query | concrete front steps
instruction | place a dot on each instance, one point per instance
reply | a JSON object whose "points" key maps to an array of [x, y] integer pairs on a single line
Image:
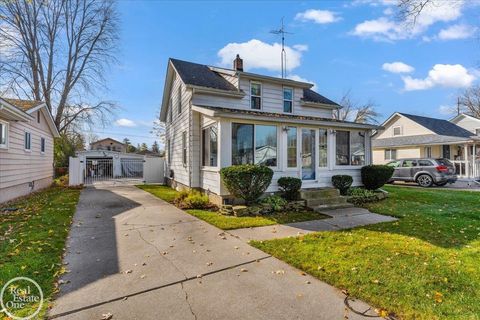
{"points": [[320, 199]]}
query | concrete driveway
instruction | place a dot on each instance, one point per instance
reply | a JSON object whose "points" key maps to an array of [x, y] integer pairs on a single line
{"points": [[134, 256]]}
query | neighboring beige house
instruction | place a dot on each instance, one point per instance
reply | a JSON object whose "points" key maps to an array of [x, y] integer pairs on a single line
{"points": [[108, 144], [411, 136], [217, 117], [26, 147]]}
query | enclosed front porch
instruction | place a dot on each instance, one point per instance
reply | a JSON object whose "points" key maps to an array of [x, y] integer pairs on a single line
{"points": [[464, 156]]}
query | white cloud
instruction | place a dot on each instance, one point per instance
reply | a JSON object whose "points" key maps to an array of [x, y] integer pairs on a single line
{"points": [[458, 31], [258, 54], [373, 3], [123, 122], [318, 16], [443, 75], [397, 67], [447, 110], [300, 47], [387, 29], [301, 79]]}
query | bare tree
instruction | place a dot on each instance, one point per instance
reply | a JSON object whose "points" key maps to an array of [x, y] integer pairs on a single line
{"points": [[469, 101], [352, 111], [158, 128], [57, 51], [410, 10]]}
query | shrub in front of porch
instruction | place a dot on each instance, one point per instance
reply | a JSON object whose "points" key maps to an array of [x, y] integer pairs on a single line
{"points": [[342, 183], [247, 181], [289, 187], [376, 176], [192, 199]]}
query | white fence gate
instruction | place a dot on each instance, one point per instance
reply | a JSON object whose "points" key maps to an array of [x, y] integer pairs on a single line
{"points": [[93, 170]]}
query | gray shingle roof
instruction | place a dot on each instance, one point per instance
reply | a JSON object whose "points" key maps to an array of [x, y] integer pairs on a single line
{"points": [[417, 140], [201, 75], [439, 126], [312, 96]]}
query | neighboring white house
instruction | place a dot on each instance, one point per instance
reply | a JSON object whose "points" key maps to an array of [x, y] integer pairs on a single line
{"points": [[108, 144], [26, 147], [411, 136], [217, 117]]}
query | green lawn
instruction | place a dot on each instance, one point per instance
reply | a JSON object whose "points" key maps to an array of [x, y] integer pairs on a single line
{"points": [[232, 222], [32, 238], [424, 266]]}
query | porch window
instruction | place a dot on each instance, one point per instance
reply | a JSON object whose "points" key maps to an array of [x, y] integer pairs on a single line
{"points": [[3, 134], [246, 138], [266, 145], [322, 148], [209, 146], [242, 143], [255, 95], [390, 154], [292, 147], [184, 148], [287, 100], [427, 152], [28, 141], [350, 148]]}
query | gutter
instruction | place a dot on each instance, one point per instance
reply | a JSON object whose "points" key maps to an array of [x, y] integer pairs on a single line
{"points": [[217, 92]]}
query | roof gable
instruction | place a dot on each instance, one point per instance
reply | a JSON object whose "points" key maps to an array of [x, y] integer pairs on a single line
{"points": [[439, 126]]}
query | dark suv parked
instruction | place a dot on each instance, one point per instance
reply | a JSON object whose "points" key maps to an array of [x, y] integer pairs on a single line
{"points": [[425, 172]]}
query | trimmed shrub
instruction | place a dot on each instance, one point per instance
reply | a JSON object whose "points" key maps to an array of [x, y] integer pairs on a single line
{"points": [[359, 196], [375, 176], [275, 202], [289, 187], [247, 181], [192, 200], [61, 181], [342, 183]]}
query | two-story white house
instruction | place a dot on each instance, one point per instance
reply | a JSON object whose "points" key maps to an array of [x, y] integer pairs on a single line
{"points": [[217, 117]]}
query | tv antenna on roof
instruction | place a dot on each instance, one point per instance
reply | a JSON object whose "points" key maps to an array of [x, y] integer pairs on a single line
{"points": [[284, 53]]}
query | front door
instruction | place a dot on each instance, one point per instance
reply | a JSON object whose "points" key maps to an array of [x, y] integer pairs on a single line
{"points": [[308, 154], [446, 151]]}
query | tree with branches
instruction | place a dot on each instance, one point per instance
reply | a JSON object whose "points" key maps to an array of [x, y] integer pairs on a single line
{"points": [[57, 51], [352, 111], [469, 101]]}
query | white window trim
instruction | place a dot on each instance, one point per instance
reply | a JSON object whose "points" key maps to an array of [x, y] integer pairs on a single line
{"points": [[389, 154], [44, 145], [349, 166], [30, 144], [7, 135], [279, 130], [393, 131], [201, 149], [297, 153], [328, 149], [184, 148], [261, 94], [425, 153], [283, 99]]}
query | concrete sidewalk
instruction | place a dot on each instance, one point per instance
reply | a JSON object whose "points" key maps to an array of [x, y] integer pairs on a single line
{"points": [[135, 256], [341, 219]]}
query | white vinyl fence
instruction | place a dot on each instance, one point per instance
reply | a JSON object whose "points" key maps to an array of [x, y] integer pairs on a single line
{"points": [[92, 170]]}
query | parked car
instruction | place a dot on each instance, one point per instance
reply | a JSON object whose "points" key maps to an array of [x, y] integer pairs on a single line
{"points": [[425, 172]]}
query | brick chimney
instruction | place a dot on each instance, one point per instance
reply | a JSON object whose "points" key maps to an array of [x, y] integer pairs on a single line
{"points": [[238, 63]]}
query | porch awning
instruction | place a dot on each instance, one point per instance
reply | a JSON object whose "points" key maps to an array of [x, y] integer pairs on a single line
{"points": [[244, 114], [427, 139]]}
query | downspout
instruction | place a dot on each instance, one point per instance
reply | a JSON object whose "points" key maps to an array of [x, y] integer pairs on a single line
{"points": [[190, 135]]}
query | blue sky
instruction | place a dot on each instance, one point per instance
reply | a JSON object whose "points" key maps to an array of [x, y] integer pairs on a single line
{"points": [[338, 45]]}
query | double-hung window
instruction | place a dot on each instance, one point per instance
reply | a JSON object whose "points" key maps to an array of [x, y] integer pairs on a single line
{"points": [[287, 100], [350, 148], [184, 148], [42, 145], [209, 146], [254, 144], [428, 152], [3, 135], [28, 141], [255, 95]]}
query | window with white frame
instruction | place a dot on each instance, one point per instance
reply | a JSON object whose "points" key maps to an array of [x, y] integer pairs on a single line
{"points": [[287, 100], [28, 141], [390, 154], [42, 145], [322, 148], [3, 134], [254, 144], [210, 146], [179, 97], [397, 131], [184, 148], [255, 95], [350, 148], [292, 147], [427, 152]]}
